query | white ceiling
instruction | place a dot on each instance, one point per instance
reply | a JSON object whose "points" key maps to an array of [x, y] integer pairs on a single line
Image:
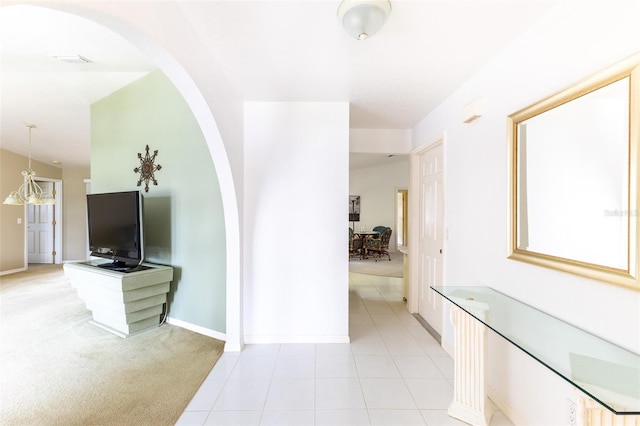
{"points": [[269, 51]]}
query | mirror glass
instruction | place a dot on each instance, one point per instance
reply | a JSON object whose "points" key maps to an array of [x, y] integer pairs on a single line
{"points": [[574, 179]]}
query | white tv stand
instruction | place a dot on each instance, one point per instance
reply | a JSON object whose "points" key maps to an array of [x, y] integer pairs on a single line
{"points": [[123, 303]]}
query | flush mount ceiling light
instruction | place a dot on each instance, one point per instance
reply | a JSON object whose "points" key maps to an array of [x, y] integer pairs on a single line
{"points": [[363, 18]]}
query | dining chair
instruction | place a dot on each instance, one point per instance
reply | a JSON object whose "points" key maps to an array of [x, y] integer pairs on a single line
{"points": [[379, 246], [355, 245]]}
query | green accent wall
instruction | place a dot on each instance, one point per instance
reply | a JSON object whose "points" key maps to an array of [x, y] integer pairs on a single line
{"points": [[184, 222]]}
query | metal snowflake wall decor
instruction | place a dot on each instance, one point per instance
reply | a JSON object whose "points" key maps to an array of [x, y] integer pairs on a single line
{"points": [[147, 169]]}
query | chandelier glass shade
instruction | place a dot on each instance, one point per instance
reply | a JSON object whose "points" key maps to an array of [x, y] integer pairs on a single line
{"points": [[29, 192]]}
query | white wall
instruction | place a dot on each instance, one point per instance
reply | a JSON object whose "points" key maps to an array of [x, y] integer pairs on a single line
{"points": [[377, 187], [75, 213], [575, 40], [296, 174]]}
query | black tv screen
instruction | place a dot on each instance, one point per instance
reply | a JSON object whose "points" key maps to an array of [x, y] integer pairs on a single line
{"points": [[116, 228]]}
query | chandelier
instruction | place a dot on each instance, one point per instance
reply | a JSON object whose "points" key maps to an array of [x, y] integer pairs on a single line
{"points": [[29, 192]]}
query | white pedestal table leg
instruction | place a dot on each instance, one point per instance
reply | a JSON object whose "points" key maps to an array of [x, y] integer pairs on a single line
{"points": [[592, 413], [470, 403]]}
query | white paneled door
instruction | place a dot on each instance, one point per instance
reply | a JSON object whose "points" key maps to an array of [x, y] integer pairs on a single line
{"points": [[40, 230], [431, 235]]}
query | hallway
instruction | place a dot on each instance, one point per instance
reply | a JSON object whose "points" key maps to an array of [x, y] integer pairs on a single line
{"points": [[392, 373]]}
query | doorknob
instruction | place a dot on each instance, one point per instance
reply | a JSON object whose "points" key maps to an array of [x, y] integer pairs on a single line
{"points": [[440, 251]]}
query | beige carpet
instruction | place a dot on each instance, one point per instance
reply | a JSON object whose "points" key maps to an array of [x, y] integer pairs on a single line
{"points": [[57, 369], [382, 267]]}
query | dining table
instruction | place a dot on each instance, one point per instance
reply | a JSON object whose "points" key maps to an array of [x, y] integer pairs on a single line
{"points": [[363, 235]]}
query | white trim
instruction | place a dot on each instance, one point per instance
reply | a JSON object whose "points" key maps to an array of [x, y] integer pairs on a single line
{"points": [[504, 407], [87, 191], [448, 349], [57, 229], [58, 215], [414, 212], [197, 329], [12, 271], [25, 225], [295, 339], [395, 217]]}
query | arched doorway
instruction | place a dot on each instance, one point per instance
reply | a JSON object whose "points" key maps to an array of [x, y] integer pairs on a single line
{"points": [[121, 18]]}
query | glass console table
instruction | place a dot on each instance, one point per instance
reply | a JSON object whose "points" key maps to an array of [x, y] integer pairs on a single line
{"points": [[606, 373]]}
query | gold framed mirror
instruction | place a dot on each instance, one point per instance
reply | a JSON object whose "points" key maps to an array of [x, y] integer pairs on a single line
{"points": [[573, 161]]}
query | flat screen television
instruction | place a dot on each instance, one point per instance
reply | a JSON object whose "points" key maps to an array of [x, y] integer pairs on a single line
{"points": [[116, 228]]}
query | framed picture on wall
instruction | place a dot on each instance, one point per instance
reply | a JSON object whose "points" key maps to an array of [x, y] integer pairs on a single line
{"points": [[354, 208]]}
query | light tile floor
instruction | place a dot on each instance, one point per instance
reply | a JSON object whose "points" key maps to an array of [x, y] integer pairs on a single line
{"points": [[392, 373]]}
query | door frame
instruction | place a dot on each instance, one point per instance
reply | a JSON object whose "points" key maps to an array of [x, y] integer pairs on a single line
{"points": [[404, 232], [414, 212], [57, 228]]}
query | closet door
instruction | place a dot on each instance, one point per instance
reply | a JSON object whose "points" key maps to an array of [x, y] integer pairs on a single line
{"points": [[431, 235]]}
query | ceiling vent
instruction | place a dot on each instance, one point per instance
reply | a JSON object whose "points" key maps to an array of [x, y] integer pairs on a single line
{"points": [[73, 59]]}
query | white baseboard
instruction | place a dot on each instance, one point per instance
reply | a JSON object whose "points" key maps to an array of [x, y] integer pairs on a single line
{"points": [[231, 347], [504, 407], [261, 340], [448, 349], [12, 271], [197, 329]]}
